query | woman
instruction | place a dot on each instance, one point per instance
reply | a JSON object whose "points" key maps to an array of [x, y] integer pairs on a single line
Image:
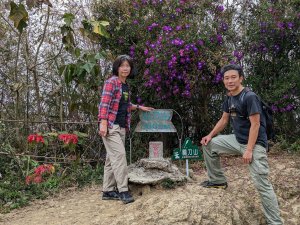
{"points": [[114, 116]]}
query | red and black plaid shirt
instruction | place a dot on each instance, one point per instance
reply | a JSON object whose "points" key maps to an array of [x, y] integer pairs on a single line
{"points": [[110, 99]]}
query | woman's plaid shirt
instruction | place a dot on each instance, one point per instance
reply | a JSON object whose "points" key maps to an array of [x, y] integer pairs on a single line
{"points": [[110, 99]]}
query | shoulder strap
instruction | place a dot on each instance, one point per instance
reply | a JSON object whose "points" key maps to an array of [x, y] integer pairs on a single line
{"points": [[245, 91]]}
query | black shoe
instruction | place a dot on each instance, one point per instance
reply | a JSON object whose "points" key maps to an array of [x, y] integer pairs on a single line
{"points": [[208, 184], [110, 195], [126, 197]]}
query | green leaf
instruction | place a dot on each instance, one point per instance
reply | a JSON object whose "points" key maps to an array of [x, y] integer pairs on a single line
{"points": [[61, 70], [99, 28], [80, 134], [69, 73], [104, 23], [18, 15], [68, 18], [77, 52], [88, 67], [99, 56]]}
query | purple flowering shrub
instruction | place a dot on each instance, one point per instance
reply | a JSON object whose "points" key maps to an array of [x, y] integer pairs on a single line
{"points": [[180, 46], [273, 52]]}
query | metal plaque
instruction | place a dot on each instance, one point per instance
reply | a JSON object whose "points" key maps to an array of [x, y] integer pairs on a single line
{"points": [[157, 120]]}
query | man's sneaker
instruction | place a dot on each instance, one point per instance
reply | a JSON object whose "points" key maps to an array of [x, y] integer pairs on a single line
{"points": [[110, 195], [208, 184], [126, 197]]}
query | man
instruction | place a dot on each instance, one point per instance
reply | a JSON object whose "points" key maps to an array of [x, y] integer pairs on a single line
{"points": [[249, 139]]}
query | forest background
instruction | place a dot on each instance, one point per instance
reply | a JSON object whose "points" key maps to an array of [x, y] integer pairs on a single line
{"points": [[55, 56]]}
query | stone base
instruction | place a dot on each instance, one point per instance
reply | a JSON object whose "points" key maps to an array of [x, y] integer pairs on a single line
{"points": [[154, 171]]}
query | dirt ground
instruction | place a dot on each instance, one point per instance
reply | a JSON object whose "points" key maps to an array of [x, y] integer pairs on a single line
{"points": [[188, 204]]}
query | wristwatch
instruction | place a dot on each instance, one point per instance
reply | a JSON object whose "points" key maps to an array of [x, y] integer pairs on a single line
{"points": [[137, 106]]}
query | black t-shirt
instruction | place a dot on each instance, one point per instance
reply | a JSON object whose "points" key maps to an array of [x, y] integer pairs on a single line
{"points": [[240, 108], [123, 105]]}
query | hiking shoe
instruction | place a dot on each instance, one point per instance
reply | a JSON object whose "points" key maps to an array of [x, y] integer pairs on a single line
{"points": [[110, 195], [126, 197], [208, 184]]}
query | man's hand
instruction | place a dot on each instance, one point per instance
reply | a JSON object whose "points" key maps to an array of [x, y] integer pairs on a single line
{"points": [[205, 140], [103, 128], [247, 157]]}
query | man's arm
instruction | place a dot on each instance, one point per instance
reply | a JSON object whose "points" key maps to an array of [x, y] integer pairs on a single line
{"points": [[253, 134], [220, 125]]}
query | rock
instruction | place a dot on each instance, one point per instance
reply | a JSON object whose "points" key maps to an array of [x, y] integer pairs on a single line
{"points": [[154, 171], [160, 164]]}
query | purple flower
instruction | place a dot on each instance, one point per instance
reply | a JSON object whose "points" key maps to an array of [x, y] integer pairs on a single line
{"points": [[274, 108], [177, 42], [178, 10], [146, 72], [187, 47], [290, 25], [201, 42], [186, 93], [187, 26], [152, 45], [285, 97], [219, 38], [135, 5], [263, 24], [182, 60], [158, 78], [289, 107], [220, 8], [175, 90], [181, 52], [200, 65], [150, 28], [146, 51], [223, 26], [170, 64], [276, 48], [150, 60], [135, 22], [178, 28], [238, 54], [218, 78], [138, 100], [280, 25], [167, 28]]}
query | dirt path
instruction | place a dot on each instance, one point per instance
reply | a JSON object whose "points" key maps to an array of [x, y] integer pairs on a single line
{"points": [[189, 204]]}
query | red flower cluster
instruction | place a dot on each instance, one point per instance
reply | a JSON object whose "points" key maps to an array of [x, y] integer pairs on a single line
{"points": [[68, 138], [35, 138], [41, 170]]}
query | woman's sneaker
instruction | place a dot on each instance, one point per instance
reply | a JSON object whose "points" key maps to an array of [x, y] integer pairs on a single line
{"points": [[110, 195], [126, 197]]}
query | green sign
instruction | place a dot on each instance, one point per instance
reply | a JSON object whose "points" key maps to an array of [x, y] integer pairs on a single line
{"points": [[188, 151]]}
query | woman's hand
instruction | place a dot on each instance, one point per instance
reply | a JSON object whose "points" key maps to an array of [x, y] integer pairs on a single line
{"points": [[145, 108], [103, 128]]}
